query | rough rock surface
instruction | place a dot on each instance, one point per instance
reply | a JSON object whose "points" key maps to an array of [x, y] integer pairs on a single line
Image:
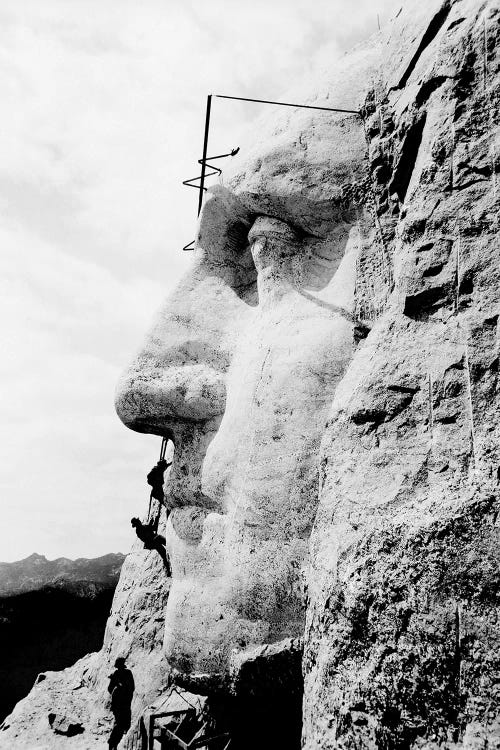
{"points": [[331, 386], [402, 637], [48, 629]]}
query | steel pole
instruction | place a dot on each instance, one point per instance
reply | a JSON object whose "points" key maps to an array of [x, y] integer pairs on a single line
{"points": [[204, 157]]}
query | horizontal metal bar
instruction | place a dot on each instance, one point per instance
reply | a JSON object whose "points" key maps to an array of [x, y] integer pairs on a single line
{"points": [[288, 104], [233, 152]]}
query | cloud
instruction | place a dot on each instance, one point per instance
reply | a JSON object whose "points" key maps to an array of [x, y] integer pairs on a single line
{"points": [[70, 325], [103, 107]]}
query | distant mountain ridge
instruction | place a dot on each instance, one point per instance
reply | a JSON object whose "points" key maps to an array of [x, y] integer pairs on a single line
{"points": [[52, 612], [81, 576]]}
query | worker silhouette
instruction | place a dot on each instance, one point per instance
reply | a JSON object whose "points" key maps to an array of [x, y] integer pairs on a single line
{"points": [[148, 534], [121, 686], [155, 479]]}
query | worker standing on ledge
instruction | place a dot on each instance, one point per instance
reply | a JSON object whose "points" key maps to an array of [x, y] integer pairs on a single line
{"points": [[121, 686]]}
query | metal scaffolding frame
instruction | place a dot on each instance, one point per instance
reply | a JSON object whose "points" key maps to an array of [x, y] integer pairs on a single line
{"points": [[204, 161]]}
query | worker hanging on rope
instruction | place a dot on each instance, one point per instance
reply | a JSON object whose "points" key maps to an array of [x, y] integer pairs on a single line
{"points": [[148, 532], [152, 540]]}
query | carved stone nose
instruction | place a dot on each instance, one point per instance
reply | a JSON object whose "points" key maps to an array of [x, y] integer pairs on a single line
{"points": [[274, 246]]}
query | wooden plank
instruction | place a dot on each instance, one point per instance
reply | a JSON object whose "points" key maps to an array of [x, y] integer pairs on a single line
{"points": [[197, 734], [163, 715], [151, 739], [180, 742], [207, 740]]}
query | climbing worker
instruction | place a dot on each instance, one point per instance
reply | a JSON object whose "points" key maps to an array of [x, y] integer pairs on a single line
{"points": [[155, 479], [121, 686], [152, 540]]}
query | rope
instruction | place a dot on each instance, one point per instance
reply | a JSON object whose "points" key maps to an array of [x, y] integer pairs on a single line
{"points": [[288, 104], [163, 450], [150, 501]]}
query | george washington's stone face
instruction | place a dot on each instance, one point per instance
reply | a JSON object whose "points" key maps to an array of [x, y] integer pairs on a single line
{"points": [[240, 369]]}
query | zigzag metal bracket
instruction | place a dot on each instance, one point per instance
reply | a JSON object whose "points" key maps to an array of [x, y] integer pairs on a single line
{"points": [[201, 179], [215, 170]]}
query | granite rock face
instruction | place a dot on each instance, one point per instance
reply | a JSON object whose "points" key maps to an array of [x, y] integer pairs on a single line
{"points": [[402, 636], [328, 372]]}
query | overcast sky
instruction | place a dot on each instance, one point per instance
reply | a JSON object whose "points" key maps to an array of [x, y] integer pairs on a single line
{"points": [[102, 119]]}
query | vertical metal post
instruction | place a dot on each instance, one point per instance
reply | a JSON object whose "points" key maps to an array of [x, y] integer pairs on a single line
{"points": [[151, 738], [204, 157]]}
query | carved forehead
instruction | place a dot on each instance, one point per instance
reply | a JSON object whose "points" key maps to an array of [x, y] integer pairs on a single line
{"points": [[301, 165], [303, 170], [299, 149]]}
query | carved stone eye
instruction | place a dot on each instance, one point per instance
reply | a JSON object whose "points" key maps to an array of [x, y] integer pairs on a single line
{"points": [[272, 241]]}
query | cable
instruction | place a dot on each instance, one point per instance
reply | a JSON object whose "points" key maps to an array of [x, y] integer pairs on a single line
{"points": [[163, 450], [288, 104]]}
